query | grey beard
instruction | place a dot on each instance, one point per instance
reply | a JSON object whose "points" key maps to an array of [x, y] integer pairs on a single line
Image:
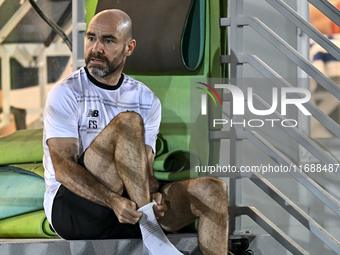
{"points": [[96, 72]]}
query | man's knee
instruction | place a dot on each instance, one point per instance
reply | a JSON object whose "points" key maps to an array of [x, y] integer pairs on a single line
{"points": [[125, 121], [215, 187], [208, 195], [130, 116], [212, 189]]}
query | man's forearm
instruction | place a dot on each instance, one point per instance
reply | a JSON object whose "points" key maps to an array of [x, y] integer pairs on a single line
{"points": [[81, 182]]}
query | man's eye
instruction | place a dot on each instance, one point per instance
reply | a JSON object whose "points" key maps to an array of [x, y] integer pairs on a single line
{"points": [[108, 41], [91, 39]]}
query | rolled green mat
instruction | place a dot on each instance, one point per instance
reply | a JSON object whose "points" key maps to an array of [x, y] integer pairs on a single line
{"points": [[176, 166], [175, 161], [176, 176], [29, 225], [22, 146], [47, 229], [160, 145], [20, 193]]}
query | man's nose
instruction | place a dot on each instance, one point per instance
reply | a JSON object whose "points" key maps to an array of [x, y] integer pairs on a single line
{"points": [[97, 47]]}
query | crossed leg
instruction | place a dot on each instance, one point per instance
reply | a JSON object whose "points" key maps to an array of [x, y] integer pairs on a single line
{"points": [[204, 198], [117, 158]]}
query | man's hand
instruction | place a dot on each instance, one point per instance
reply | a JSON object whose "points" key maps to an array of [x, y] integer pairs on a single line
{"points": [[160, 208], [125, 211]]}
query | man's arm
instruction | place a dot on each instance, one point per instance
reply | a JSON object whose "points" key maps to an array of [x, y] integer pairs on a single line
{"points": [[64, 155]]}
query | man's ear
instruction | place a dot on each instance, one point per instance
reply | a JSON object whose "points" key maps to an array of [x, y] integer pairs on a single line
{"points": [[130, 46]]}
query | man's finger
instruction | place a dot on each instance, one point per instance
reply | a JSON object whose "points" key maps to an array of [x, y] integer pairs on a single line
{"points": [[161, 207], [135, 214], [129, 220], [157, 197], [131, 216]]}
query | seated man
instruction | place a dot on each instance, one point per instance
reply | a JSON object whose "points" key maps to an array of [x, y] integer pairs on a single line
{"points": [[99, 143]]}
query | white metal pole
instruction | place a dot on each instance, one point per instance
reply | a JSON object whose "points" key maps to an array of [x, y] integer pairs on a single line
{"points": [[6, 87], [236, 73]]}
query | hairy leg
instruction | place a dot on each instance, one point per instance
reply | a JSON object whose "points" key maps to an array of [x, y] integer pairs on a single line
{"points": [[117, 157], [204, 198]]}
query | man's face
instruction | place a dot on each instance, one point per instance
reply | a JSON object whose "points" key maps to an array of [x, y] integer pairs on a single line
{"points": [[104, 49]]}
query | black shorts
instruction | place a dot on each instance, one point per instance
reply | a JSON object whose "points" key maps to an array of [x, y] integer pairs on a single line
{"points": [[76, 218]]}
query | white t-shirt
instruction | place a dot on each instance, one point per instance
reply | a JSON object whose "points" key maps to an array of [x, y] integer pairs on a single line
{"points": [[81, 107]]}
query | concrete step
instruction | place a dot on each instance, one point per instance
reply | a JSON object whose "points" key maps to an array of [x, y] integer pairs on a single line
{"points": [[187, 243], [184, 242]]}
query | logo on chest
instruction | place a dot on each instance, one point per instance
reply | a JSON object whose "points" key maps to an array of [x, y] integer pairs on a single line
{"points": [[93, 113], [92, 123]]}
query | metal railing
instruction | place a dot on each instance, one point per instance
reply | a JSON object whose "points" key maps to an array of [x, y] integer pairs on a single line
{"points": [[236, 59]]}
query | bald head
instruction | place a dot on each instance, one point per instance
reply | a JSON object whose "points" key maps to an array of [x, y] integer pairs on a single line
{"points": [[115, 17], [108, 43]]}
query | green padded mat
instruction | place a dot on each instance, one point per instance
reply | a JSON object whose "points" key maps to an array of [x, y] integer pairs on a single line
{"points": [[29, 225], [23, 146], [20, 193]]}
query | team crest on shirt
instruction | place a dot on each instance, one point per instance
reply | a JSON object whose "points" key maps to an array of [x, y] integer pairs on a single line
{"points": [[93, 113]]}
